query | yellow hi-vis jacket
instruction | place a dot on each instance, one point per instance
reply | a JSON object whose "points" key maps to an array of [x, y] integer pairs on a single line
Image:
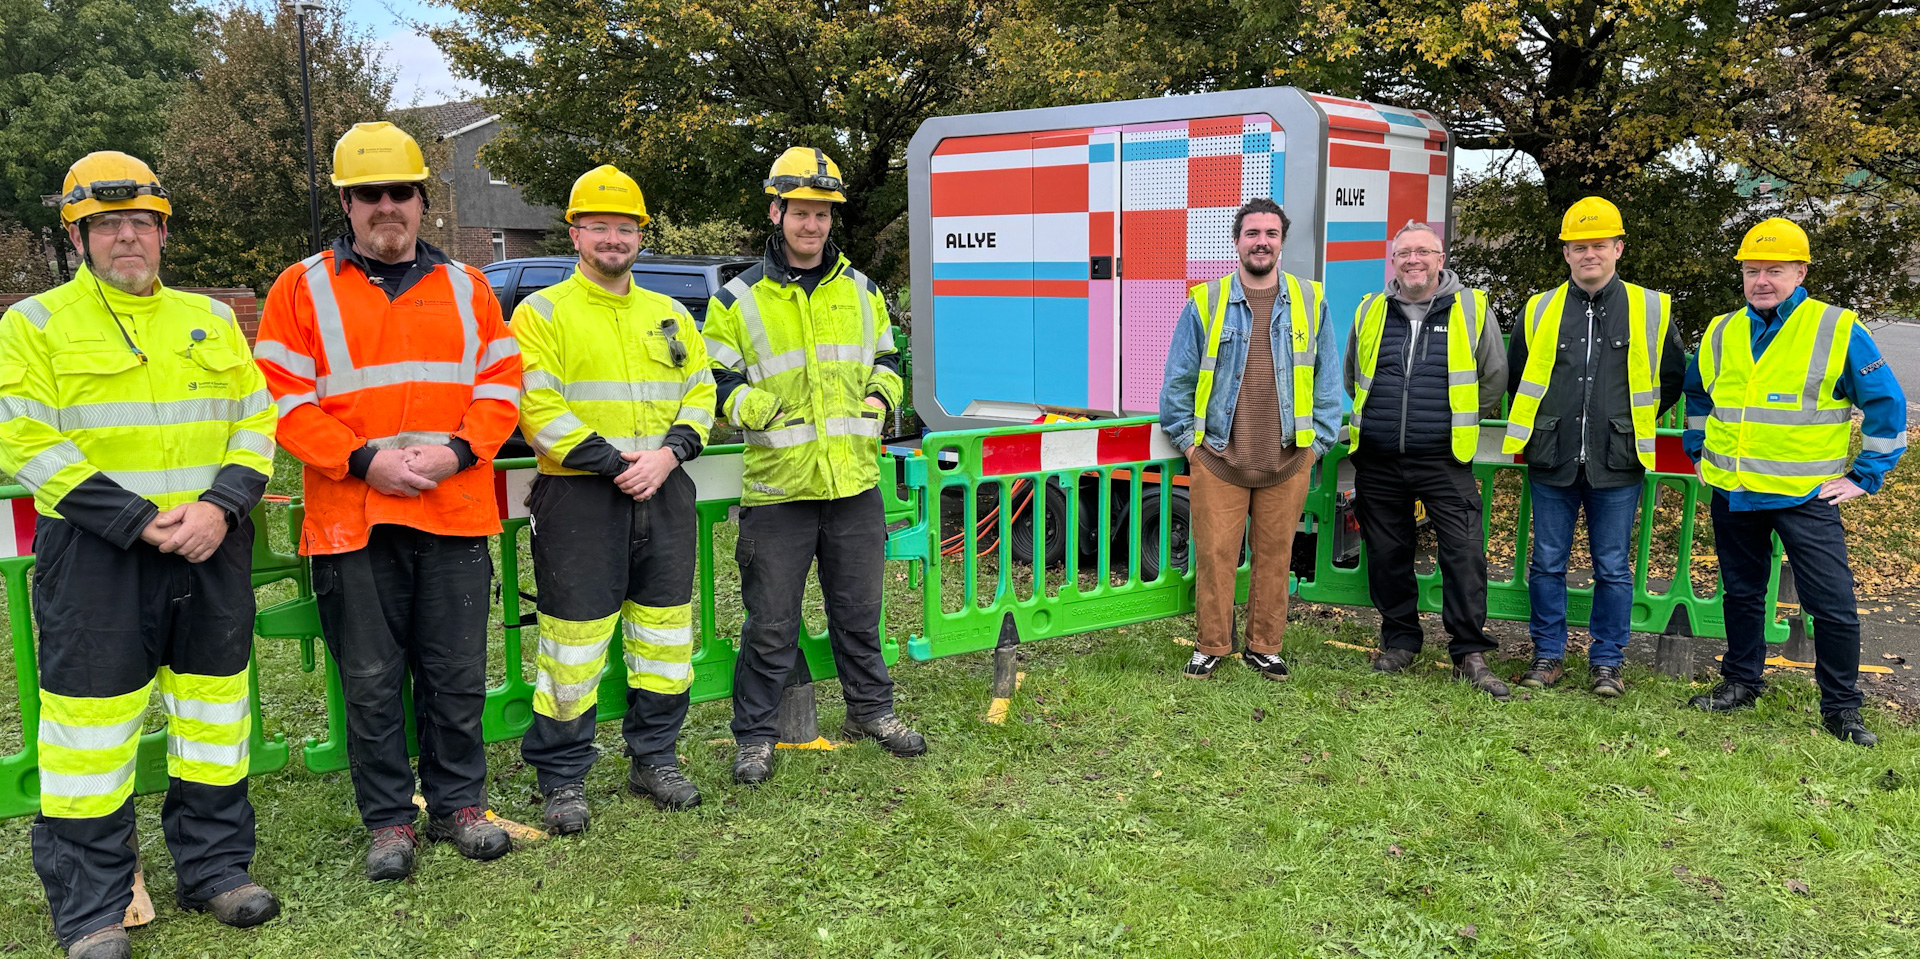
{"points": [[606, 374], [1776, 426], [1466, 322], [1304, 300], [1648, 314], [107, 437], [810, 359]]}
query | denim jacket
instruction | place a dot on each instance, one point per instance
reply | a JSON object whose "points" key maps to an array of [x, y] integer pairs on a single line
{"points": [[1189, 346]]}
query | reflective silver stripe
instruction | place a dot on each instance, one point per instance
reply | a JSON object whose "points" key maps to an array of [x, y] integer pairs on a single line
{"points": [[255, 403], [35, 311], [695, 414], [1302, 424], [277, 353], [1750, 464], [162, 482], [469, 326], [86, 786], [227, 755], [1654, 341], [1465, 419], [1718, 335], [762, 348], [499, 350], [1532, 390], [568, 693], [1697, 422], [286, 403], [852, 426], [635, 444], [1469, 307], [1883, 444], [676, 636], [220, 309], [654, 667], [326, 315], [1817, 363], [1643, 398], [1361, 381], [567, 654], [1208, 363], [886, 339], [1540, 310], [1462, 377], [393, 374], [1643, 445], [1302, 358], [51, 460], [539, 304], [831, 352], [200, 710], [541, 380], [93, 416], [93, 738], [697, 377], [1734, 415], [771, 365], [556, 431], [1518, 431], [725, 355], [734, 401], [620, 391], [409, 438], [1199, 429], [868, 337], [780, 439], [13, 407], [251, 441], [497, 391]]}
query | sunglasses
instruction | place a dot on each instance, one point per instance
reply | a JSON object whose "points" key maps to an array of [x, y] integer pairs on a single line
{"points": [[670, 328], [397, 192]]}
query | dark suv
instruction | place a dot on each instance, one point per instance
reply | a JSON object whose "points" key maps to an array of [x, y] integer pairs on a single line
{"points": [[689, 279]]}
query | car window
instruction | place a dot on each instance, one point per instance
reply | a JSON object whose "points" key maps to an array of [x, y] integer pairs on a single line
{"points": [[680, 286], [540, 277]]}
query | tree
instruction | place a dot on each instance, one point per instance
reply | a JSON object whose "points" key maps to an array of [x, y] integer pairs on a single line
{"points": [[235, 154], [695, 98], [78, 76]]}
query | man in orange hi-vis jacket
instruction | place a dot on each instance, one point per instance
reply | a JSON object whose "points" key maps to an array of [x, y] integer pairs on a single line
{"points": [[397, 381]]}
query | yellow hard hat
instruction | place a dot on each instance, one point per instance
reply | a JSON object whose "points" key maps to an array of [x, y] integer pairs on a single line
{"points": [[805, 173], [604, 189], [1592, 218], [107, 181], [377, 153], [1775, 239]]}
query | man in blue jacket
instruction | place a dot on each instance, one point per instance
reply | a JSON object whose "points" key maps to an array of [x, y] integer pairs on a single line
{"points": [[1253, 404], [1770, 398]]}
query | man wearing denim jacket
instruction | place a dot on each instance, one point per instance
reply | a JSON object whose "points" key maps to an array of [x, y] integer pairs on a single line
{"points": [[1268, 397]]}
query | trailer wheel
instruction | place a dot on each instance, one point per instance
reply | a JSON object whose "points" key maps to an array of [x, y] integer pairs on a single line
{"points": [[1020, 534], [1177, 525]]}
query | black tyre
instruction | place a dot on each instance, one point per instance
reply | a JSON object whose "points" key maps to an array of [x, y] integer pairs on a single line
{"points": [[1177, 527]]}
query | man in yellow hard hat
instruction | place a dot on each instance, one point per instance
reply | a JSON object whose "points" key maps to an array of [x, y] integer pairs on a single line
{"points": [[144, 556], [1770, 399], [616, 395], [1594, 363], [803, 354], [397, 382]]}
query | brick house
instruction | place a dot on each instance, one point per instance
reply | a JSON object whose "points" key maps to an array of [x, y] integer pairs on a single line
{"points": [[483, 218]]}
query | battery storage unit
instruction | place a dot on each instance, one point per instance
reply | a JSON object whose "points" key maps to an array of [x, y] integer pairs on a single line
{"points": [[1053, 249]]}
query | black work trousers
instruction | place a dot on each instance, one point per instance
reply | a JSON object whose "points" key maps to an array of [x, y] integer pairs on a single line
{"points": [[110, 619], [1816, 544], [410, 603], [777, 544], [595, 551], [1385, 486]]}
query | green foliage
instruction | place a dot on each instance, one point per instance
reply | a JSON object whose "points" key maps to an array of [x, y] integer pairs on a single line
{"points": [[695, 99], [235, 154], [719, 235], [24, 265], [83, 75]]}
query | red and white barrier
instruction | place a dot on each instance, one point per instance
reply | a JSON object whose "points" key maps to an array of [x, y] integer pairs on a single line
{"points": [[1083, 448], [17, 517]]}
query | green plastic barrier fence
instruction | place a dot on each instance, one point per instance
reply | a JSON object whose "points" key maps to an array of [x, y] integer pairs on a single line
{"points": [[20, 772]]}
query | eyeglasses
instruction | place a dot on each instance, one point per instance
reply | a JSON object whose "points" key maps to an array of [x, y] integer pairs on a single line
{"points": [[670, 328], [397, 192], [625, 231], [819, 181], [144, 224], [1408, 254]]}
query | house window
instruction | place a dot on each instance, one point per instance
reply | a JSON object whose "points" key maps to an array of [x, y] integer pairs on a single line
{"points": [[496, 181], [499, 245]]}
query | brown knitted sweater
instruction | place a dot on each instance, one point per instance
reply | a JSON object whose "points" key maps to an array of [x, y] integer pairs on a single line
{"points": [[1259, 446]]}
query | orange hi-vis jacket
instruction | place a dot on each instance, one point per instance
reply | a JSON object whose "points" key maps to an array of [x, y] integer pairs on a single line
{"points": [[350, 368]]}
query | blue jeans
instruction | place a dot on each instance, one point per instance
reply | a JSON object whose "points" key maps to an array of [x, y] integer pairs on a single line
{"points": [[1610, 522]]}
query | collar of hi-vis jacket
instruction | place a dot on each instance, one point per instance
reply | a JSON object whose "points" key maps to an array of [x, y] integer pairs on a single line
{"points": [[774, 264], [426, 256]]}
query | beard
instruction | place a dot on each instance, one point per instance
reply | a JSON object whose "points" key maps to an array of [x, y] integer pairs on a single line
{"points": [[1246, 263], [388, 240], [137, 282], [610, 265]]}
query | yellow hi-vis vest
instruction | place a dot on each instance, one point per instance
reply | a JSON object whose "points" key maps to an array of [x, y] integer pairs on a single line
{"points": [[1466, 322], [1776, 426], [1304, 318], [1648, 313]]}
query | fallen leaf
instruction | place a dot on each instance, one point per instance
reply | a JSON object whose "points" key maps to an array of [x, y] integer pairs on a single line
{"points": [[1663, 751], [1727, 746], [1259, 715], [1468, 931], [1680, 872], [1395, 851], [1798, 888], [1156, 774]]}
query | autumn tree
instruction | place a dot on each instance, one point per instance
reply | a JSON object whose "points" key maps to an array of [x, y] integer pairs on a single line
{"points": [[695, 98], [235, 150]]}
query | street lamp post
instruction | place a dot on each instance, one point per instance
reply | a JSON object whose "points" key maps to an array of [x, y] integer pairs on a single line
{"points": [[300, 10]]}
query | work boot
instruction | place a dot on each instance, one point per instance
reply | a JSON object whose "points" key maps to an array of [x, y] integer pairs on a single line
{"points": [[241, 907], [1607, 682], [1269, 665], [664, 783], [566, 810], [886, 729], [471, 833], [1726, 697], [108, 943], [1202, 665], [1472, 669], [1393, 659], [1846, 726], [1542, 674], [391, 855], [753, 764]]}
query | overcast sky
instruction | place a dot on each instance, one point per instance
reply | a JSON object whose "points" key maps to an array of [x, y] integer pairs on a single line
{"points": [[422, 76]]}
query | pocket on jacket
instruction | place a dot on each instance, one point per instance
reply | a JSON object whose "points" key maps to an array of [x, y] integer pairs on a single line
{"points": [[1543, 449], [1622, 454]]}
